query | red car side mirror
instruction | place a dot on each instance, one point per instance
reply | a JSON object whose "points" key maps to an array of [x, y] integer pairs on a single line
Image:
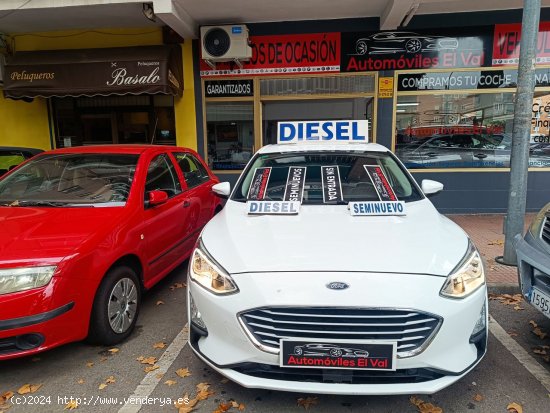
{"points": [[157, 198]]}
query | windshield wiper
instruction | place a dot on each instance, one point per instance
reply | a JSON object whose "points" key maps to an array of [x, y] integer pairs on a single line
{"points": [[38, 203]]}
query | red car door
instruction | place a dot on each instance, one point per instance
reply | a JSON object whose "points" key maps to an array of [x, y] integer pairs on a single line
{"points": [[166, 226], [199, 185]]}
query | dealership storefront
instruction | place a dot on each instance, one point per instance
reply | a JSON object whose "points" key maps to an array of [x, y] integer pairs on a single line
{"points": [[442, 99]]}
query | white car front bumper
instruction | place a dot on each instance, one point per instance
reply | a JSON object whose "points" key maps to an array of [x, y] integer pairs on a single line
{"points": [[446, 356]]}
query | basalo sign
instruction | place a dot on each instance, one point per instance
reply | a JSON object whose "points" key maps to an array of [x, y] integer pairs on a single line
{"points": [[335, 131]]}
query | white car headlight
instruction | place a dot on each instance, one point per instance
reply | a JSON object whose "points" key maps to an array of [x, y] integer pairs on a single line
{"points": [[208, 273], [467, 277], [20, 279]]}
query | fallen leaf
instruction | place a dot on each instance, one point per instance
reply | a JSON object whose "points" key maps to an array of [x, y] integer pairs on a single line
{"points": [[535, 325], [546, 358], [177, 285], [224, 381], [185, 329], [424, 407], [28, 388], [306, 402], [514, 408], [204, 394], [496, 242], [478, 397], [81, 381], [160, 344], [170, 382], [110, 380], [184, 373], [223, 407], [149, 369], [512, 334], [201, 386], [5, 397], [89, 364], [147, 360], [113, 350], [73, 404], [238, 406], [160, 302], [518, 308], [538, 332], [159, 375], [102, 386], [540, 351]]}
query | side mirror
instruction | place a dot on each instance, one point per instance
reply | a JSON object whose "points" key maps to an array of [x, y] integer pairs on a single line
{"points": [[430, 187], [155, 198], [223, 189]]}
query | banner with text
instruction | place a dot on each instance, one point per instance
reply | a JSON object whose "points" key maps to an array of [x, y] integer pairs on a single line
{"points": [[284, 54]]}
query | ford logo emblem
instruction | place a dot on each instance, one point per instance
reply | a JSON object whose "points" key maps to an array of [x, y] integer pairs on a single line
{"points": [[337, 285]]}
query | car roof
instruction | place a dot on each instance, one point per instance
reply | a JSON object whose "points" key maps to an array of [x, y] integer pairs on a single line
{"points": [[323, 146], [117, 149]]}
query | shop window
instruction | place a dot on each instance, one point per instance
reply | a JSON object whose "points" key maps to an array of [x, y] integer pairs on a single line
{"points": [[143, 119], [460, 131], [162, 176], [230, 134], [318, 109], [193, 171]]}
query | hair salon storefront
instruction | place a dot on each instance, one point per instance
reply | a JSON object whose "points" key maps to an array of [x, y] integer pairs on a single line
{"points": [[442, 99], [104, 95]]}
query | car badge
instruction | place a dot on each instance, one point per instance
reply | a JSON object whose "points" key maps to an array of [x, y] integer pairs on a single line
{"points": [[337, 285]]}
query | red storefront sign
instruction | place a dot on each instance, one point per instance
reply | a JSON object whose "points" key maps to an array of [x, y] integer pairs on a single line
{"points": [[506, 44], [286, 54]]}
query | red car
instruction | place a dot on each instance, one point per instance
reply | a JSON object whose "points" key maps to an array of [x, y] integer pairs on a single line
{"points": [[84, 231]]}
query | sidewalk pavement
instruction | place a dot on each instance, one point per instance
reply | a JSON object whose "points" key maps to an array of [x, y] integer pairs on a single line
{"points": [[487, 233]]}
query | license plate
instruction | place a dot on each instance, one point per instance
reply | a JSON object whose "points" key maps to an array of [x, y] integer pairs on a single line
{"points": [[541, 301], [341, 354]]}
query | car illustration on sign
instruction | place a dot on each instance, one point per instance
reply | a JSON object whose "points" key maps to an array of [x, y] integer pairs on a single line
{"points": [[315, 349], [403, 42]]}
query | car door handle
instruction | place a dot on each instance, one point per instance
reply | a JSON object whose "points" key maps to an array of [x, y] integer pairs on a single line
{"points": [[186, 204]]}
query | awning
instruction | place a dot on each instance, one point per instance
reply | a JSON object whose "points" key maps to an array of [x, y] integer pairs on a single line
{"points": [[92, 72]]}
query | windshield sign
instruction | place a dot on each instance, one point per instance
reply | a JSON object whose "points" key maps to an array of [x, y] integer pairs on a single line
{"points": [[336, 131], [327, 178]]}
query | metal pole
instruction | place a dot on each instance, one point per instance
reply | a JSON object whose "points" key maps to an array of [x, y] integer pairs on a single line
{"points": [[519, 161]]}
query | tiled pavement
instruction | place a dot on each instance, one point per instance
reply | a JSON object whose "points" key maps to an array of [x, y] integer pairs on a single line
{"points": [[487, 233]]}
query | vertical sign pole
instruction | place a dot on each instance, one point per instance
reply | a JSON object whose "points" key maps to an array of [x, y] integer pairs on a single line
{"points": [[519, 161]]}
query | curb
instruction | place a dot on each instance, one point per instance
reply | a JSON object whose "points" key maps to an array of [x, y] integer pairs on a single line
{"points": [[503, 288]]}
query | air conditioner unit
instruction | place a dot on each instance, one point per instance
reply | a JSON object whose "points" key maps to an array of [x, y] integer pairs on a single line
{"points": [[225, 43]]}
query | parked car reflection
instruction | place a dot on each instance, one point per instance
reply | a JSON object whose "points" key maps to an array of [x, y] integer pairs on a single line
{"points": [[465, 151]]}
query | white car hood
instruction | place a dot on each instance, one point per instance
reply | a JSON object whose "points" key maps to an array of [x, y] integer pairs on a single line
{"points": [[328, 238]]}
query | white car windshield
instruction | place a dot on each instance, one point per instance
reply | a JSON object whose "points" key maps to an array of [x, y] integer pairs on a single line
{"points": [[356, 177], [70, 180]]}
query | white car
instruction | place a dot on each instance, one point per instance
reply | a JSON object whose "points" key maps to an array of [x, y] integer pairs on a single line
{"points": [[336, 246]]}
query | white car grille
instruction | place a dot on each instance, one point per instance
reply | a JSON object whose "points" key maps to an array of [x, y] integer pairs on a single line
{"points": [[411, 329]]}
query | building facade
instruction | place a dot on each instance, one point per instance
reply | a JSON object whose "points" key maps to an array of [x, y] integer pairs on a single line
{"points": [[438, 92]]}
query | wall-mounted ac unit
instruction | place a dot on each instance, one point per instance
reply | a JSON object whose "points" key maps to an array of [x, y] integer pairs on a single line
{"points": [[225, 43]]}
